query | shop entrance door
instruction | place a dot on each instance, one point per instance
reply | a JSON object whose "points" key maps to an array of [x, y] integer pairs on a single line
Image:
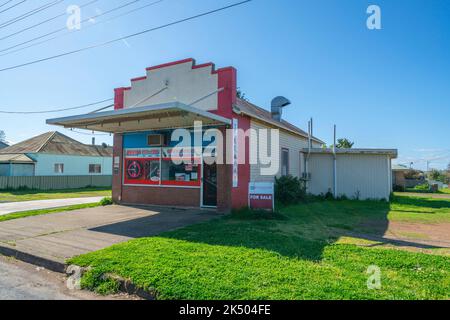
{"points": [[209, 185]]}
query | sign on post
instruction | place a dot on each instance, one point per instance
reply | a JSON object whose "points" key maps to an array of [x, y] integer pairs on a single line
{"points": [[261, 195]]}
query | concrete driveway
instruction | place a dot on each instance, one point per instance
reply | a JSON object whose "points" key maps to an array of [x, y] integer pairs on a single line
{"points": [[10, 207], [48, 240]]}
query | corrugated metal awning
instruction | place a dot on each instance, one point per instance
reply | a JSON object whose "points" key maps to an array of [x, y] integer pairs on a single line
{"points": [[155, 117]]}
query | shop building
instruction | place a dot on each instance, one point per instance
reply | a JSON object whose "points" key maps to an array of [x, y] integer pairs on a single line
{"points": [[148, 167]]}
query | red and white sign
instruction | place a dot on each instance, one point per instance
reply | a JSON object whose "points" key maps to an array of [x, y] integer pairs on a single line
{"points": [[143, 153], [261, 195]]}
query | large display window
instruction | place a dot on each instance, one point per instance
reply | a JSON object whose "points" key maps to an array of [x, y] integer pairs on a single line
{"points": [[161, 167]]}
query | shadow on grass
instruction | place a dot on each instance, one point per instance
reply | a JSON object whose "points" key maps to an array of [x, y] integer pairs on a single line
{"points": [[301, 231]]}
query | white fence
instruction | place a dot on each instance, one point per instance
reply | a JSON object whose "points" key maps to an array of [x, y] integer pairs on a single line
{"points": [[55, 182]]}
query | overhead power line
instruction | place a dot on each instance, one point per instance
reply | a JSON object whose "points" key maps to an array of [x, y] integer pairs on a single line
{"points": [[52, 110], [125, 37], [5, 3], [44, 21], [84, 28], [13, 6], [64, 28], [30, 13]]}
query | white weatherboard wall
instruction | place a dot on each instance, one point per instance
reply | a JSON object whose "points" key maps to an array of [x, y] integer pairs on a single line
{"points": [[358, 175], [293, 143], [73, 165]]}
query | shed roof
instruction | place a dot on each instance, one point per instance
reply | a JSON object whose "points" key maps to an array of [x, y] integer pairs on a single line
{"points": [[390, 152], [264, 115], [55, 142], [15, 158], [399, 167]]}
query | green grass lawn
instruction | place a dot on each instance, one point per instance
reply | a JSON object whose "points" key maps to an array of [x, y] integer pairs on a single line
{"points": [[24, 214], [440, 191], [296, 255], [28, 195]]}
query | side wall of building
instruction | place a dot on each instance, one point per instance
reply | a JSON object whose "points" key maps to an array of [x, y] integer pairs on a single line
{"points": [[73, 165], [358, 175], [291, 142]]}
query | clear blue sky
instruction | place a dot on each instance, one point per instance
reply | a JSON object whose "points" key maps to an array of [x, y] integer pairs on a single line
{"points": [[387, 88]]}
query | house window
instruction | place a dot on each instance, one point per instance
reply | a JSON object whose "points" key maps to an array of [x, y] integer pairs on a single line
{"points": [[95, 168], [59, 167], [284, 162]]}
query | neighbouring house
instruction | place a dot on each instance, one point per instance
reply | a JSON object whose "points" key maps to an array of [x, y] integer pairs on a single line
{"points": [[178, 94], [405, 177], [3, 145], [55, 154]]}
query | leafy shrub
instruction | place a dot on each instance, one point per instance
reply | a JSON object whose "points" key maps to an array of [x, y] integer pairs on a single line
{"points": [[95, 280], [107, 201], [289, 190]]}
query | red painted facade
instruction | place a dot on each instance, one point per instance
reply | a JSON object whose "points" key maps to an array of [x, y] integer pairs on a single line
{"points": [[228, 197]]}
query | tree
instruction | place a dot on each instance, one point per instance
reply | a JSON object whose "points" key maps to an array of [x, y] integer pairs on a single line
{"points": [[344, 143], [240, 94], [2, 135]]}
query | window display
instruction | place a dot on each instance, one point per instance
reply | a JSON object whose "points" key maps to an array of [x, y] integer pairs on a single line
{"points": [[153, 166]]}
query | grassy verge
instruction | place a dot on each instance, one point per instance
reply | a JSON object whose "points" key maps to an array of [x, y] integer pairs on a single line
{"points": [[293, 255], [29, 195], [24, 214], [418, 209]]}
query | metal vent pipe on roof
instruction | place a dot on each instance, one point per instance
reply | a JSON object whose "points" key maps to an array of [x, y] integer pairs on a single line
{"points": [[277, 105]]}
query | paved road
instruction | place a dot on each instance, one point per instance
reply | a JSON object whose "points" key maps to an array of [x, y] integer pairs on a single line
{"points": [[10, 207], [21, 281]]}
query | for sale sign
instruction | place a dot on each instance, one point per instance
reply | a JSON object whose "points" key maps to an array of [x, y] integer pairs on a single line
{"points": [[261, 195]]}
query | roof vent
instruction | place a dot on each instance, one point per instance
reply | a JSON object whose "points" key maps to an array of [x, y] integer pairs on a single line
{"points": [[277, 106]]}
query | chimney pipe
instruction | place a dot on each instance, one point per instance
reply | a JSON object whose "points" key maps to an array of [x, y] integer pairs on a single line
{"points": [[277, 105]]}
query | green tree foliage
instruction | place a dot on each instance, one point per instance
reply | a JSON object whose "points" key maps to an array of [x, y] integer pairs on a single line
{"points": [[344, 143], [241, 95], [438, 176]]}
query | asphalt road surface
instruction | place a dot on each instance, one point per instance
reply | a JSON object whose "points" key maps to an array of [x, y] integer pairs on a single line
{"points": [[21, 281]]}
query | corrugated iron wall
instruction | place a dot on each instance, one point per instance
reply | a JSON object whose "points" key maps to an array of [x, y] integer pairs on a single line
{"points": [[55, 182]]}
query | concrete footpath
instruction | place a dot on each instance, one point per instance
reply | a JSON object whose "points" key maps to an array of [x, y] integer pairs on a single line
{"points": [[48, 240], [11, 207]]}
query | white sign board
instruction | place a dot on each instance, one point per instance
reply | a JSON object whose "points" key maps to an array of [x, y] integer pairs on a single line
{"points": [[261, 195], [235, 153]]}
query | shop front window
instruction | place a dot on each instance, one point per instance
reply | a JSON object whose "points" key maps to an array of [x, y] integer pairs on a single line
{"points": [[156, 166], [179, 174]]}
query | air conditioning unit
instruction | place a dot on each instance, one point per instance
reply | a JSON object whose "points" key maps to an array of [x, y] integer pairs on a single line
{"points": [[155, 140]]}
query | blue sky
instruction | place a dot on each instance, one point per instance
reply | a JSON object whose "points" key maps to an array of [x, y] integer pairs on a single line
{"points": [[384, 88]]}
